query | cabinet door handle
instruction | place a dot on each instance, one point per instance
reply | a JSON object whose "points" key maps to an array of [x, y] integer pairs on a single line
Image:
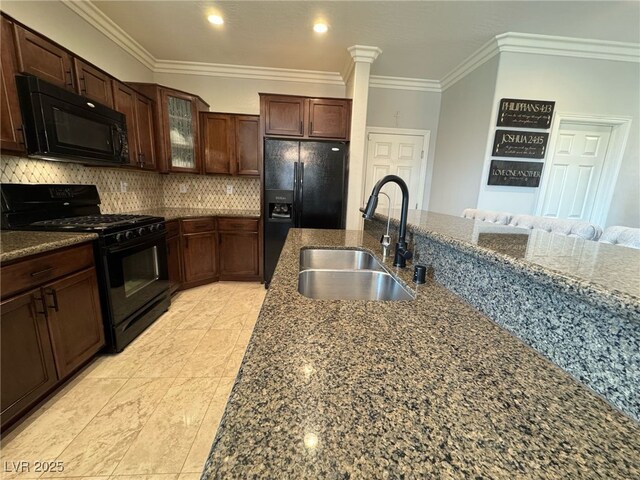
{"points": [[52, 292], [310, 127], [35, 299], [83, 87], [41, 272], [301, 127], [24, 136], [70, 82]]}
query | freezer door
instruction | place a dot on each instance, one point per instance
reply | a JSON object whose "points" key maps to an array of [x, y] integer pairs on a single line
{"points": [[279, 159], [321, 189]]}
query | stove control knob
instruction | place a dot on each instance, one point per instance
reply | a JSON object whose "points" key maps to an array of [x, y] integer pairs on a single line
{"points": [[128, 235], [142, 231], [119, 237]]}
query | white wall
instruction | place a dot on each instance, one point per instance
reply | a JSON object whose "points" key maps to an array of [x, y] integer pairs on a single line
{"points": [[416, 110], [56, 21], [465, 116], [240, 95], [578, 86]]}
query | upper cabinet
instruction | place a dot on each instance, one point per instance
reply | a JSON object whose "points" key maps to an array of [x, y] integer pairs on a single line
{"points": [[11, 138], [93, 83], [230, 143], [176, 116], [138, 110], [303, 117], [44, 59]]}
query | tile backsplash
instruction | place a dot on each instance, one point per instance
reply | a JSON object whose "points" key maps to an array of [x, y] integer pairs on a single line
{"points": [[143, 189]]}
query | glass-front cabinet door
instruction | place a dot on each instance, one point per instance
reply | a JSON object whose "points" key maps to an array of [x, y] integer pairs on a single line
{"points": [[182, 132]]}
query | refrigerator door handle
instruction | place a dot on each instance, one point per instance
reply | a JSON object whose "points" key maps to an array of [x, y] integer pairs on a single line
{"points": [[301, 193], [294, 207]]}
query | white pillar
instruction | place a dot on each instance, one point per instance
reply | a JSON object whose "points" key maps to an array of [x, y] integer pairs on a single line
{"points": [[358, 86]]}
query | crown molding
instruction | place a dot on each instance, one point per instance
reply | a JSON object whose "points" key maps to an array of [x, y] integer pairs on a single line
{"points": [[529, 43], [568, 47], [475, 60], [404, 83], [94, 16], [241, 71]]}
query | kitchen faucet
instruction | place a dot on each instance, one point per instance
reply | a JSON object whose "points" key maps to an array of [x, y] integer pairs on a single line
{"points": [[402, 254]]}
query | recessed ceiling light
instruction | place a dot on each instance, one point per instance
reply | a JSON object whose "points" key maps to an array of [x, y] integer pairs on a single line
{"points": [[215, 19], [320, 27]]}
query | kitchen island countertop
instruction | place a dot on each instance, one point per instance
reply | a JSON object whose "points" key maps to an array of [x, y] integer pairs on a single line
{"points": [[428, 388], [16, 244]]}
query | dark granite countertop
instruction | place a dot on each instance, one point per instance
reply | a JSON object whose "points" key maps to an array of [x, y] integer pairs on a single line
{"points": [[604, 268], [16, 244], [175, 213], [427, 388]]}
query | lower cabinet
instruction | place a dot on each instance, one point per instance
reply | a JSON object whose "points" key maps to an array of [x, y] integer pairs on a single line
{"points": [[217, 248], [239, 249], [174, 256], [28, 369], [75, 321], [199, 251], [51, 324]]}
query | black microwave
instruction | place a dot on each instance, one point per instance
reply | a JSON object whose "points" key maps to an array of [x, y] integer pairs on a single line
{"points": [[62, 125]]}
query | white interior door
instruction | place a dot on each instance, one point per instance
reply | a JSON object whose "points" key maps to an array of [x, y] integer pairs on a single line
{"points": [[401, 155], [574, 174]]}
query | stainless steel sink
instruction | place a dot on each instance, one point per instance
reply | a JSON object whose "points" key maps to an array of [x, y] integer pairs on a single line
{"points": [[328, 259], [346, 275]]}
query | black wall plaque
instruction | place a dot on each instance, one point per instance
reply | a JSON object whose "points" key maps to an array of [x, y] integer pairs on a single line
{"points": [[515, 174], [519, 144], [525, 113]]}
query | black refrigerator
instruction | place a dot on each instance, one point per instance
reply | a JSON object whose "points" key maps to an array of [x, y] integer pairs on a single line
{"points": [[305, 185]]}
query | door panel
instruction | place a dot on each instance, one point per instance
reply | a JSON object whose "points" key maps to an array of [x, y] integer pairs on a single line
{"points": [[322, 184], [284, 116], [144, 133], [574, 174], [124, 102], [247, 141], [280, 156], [11, 123], [93, 83], [401, 155]]}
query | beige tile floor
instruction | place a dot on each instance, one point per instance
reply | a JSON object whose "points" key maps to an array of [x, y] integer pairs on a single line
{"points": [[152, 411]]}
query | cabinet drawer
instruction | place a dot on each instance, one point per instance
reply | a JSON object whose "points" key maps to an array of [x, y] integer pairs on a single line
{"points": [[36, 271], [238, 224], [173, 228], [197, 225]]}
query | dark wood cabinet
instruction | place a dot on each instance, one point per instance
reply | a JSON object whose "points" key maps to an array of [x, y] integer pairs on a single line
{"points": [[247, 133], [44, 59], [175, 113], [329, 118], [218, 142], [284, 115], [290, 116], [199, 250], [93, 83], [239, 249], [138, 111], [11, 138], [27, 367], [75, 320], [230, 143], [50, 325], [174, 256]]}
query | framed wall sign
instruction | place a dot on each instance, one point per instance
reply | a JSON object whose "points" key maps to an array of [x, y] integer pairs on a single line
{"points": [[515, 174], [519, 144], [525, 113]]}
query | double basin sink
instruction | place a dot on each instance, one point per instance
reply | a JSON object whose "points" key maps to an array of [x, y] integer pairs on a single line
{"points": [[341, 274]]}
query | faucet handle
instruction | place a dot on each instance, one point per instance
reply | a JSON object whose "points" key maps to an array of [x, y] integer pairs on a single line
{"points": [[385, 240]]}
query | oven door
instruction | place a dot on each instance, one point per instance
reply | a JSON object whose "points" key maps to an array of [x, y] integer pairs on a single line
{"points": [[136, 274]]}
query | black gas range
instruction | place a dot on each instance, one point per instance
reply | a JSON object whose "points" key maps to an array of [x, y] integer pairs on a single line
{"points": [[131, 252]]}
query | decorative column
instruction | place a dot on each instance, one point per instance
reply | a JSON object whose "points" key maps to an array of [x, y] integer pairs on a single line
{"points": [[357, 81]]}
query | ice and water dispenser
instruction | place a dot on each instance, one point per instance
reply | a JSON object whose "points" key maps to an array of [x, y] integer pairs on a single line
{"points": [[279, 204]]}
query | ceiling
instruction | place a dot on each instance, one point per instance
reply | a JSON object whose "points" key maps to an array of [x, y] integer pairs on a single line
{"points": [[419, 39]]}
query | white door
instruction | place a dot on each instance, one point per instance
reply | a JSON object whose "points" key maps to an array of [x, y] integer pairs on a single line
{"points": [[401, 155], [574, 174]]}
